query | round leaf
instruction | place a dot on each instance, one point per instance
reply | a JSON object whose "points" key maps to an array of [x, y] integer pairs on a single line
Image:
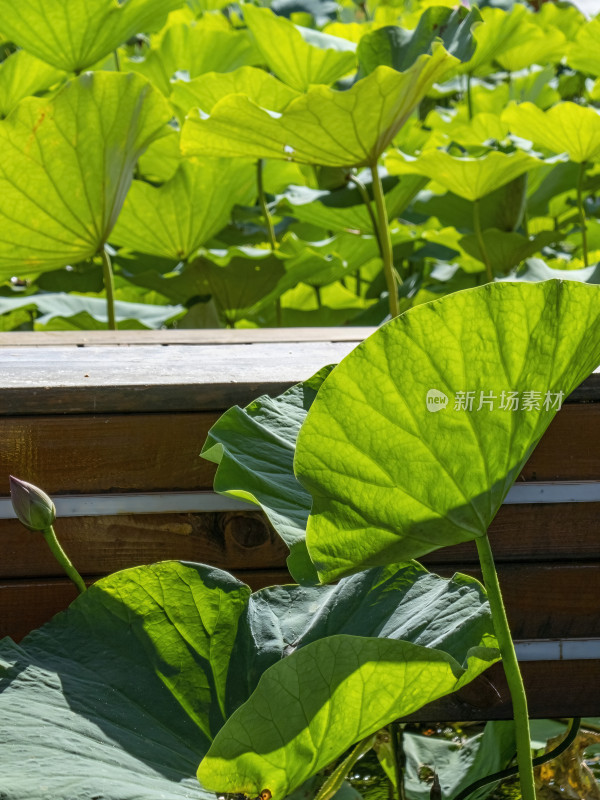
{"points": [[66, 165], [397, 461]]}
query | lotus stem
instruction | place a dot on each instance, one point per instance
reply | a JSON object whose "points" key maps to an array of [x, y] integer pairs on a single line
{"points": [[581, 208], [385, 239], [469, 97], [263, 205], [480, 240], [334, 781], [511, 668], [362, 189], [109, 286], [62, 558], [396, 736]]}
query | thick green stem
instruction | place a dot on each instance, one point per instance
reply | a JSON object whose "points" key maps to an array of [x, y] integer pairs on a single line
{"points": [[62, 558], [117, 61], [479, 234], [362, 190], [511, 668], [469, 97], [109, 286], [581, 208], [263, 205], [334, 781], [385, 239]]}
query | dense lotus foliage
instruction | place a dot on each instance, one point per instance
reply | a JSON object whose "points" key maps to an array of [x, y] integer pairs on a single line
{"points": [[235, 165]]}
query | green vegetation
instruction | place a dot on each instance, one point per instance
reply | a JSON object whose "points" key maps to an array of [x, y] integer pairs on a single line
{"points": [[168, 163]]}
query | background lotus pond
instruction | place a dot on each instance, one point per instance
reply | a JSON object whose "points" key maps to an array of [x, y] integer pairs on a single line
{"points": [[226, 183]]}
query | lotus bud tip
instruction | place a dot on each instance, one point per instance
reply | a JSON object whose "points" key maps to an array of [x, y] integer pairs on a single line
{"points": [[33, 508]]}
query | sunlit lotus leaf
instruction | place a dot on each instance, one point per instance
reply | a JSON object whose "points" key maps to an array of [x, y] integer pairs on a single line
{"points": [[66, 165], [205, 91], [513, 39], [22, 75], [300, 57], [323, 126], [397, 464], [564, 128], [174, 220], [471, 178], [74, 34], [399, 48], [584, 54], [196, 49]]}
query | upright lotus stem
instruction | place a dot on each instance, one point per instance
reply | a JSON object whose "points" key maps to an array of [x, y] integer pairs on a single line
{"points": [[469, 97], [109, 286], [335, 780], [481, 242], [581, 208], [511, 668], [385, 241], [263, 205], [268, 220]]}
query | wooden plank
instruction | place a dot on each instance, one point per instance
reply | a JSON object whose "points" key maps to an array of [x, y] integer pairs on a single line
{"points": [[546, 601], [229, 540], [80, 454], [77, 454], [533, 533], [188, 337], [554, 689], [155, 378], [236, 540], [570, 448]]}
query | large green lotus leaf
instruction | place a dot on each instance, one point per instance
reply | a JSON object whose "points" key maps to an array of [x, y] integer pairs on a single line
{"points": [[197, 49], [515, 36], [309, 708], [60, 311], [502, 209], [254, 450], [507, 250], [323, 126], [23, 75], [399, 48], [237, 278], [174, 220], [344, 209], [564, 128], [394, 468], [317, 57], [205, 92], [119, 696], [583, 54], [159, 163], [66, 165], [399, 601], [74, 34], [470, 178]]}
